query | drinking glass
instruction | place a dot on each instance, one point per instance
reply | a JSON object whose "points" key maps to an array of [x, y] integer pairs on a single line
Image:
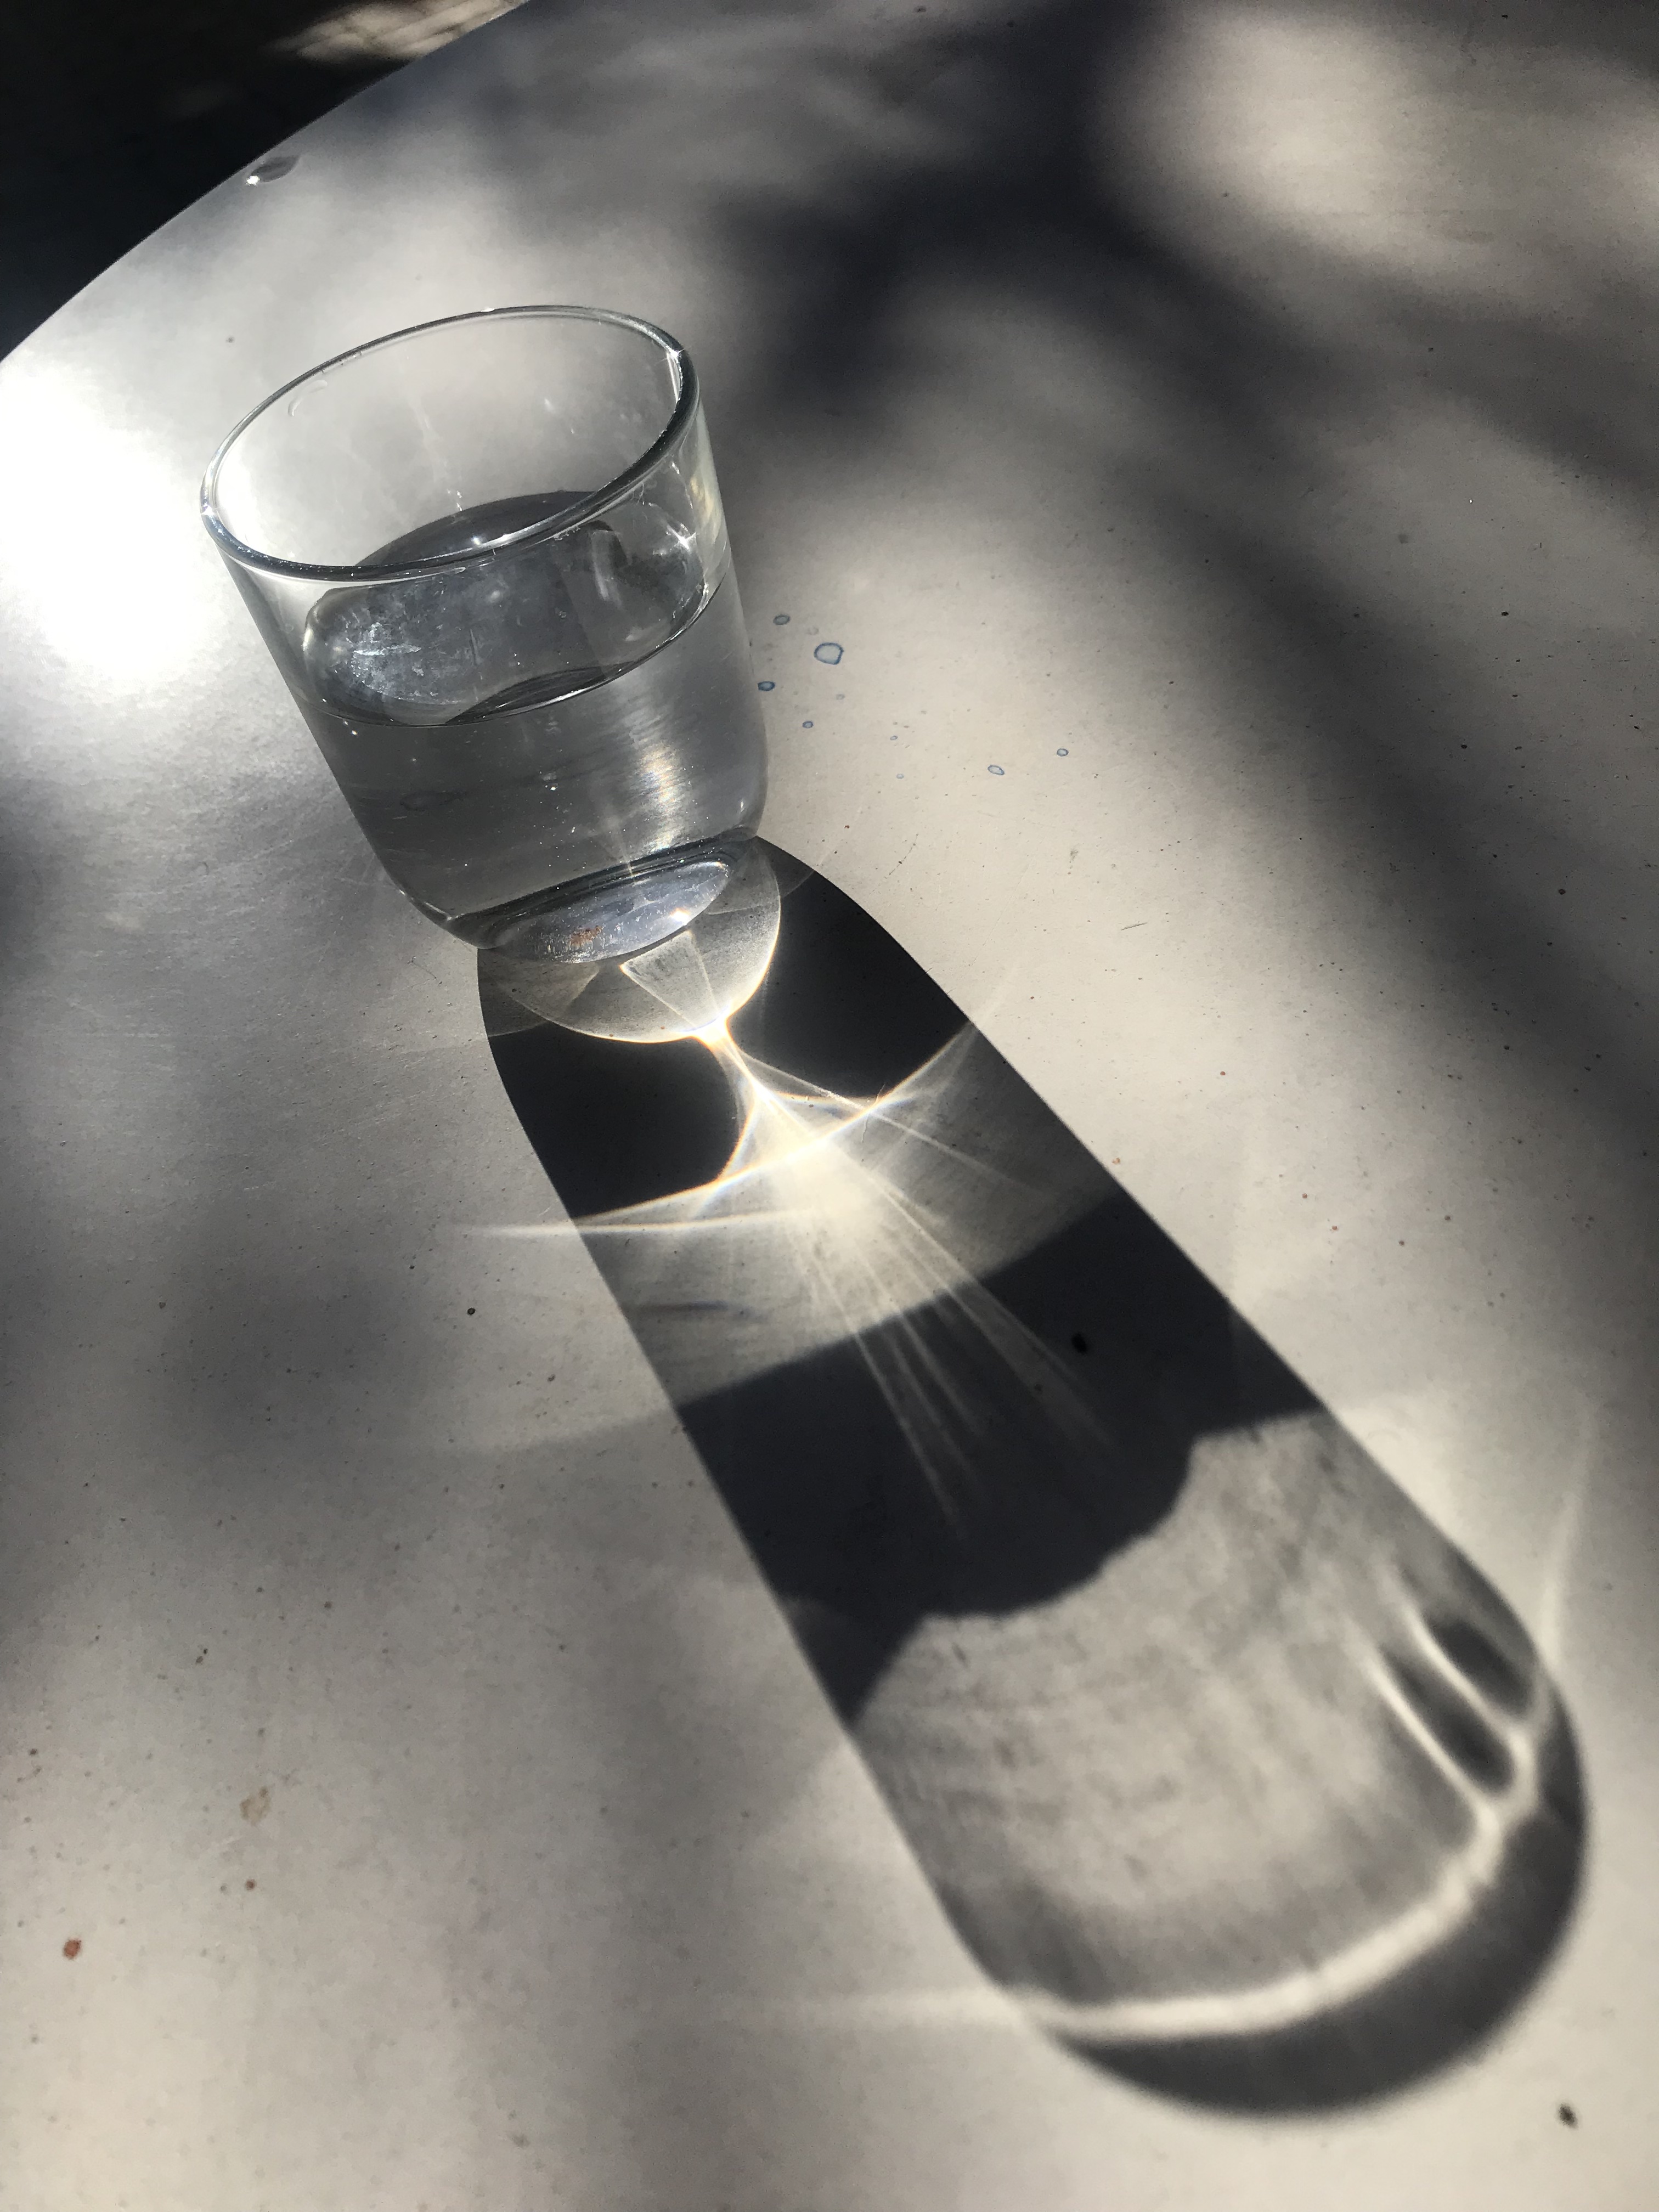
{"points": [[489, 556]]}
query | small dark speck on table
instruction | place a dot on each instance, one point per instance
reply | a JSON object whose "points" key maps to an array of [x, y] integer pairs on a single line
{"points": [[72, 1949], [1569, 2118]]}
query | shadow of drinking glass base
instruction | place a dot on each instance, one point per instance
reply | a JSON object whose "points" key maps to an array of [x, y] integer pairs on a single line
{"points": [[1216, 1753]]}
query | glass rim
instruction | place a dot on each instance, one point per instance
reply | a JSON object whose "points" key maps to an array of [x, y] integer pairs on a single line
{"points": [[553, 526]]}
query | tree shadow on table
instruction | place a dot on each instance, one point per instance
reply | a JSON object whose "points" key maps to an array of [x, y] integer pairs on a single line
{"points": [[1218, 1754]]}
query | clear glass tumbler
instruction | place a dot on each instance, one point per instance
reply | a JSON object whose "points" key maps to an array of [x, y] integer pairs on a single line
{"points": [[489, 556]]}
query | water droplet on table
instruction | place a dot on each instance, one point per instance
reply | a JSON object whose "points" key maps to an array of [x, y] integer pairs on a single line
{"points": [[994, 769], [779, 620], [827, 651], [767, 686], [268, 171]]}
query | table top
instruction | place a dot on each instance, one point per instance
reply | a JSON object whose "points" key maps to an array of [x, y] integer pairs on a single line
{"points": [[1216, 438]]}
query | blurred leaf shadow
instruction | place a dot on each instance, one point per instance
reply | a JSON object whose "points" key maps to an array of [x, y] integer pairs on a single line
{"points": [[1301, 387]]}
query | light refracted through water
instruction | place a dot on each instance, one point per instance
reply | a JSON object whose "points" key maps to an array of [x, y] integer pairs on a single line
{"points": [[1221, 1759]]}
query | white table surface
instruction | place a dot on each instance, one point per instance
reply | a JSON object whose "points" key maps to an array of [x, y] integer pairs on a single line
{"points": [[1254, 402]]}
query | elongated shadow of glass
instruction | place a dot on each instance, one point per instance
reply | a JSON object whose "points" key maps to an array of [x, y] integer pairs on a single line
{"points": [[1218, 1754]]}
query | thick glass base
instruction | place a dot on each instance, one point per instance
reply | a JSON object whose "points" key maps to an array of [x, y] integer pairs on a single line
{"points": [[610, 915], [686, 984]]}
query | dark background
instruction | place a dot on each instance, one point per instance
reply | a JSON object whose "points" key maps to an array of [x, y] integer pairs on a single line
{"points": [[118, 113]]}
